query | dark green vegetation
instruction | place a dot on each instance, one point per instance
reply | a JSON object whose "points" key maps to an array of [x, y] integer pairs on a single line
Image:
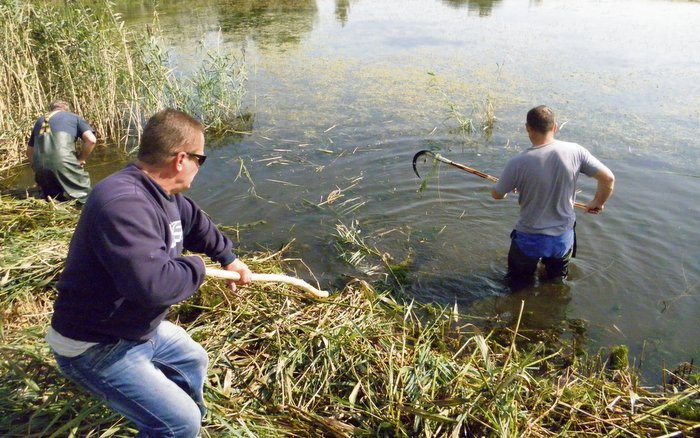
{"points": [[358, 363]]}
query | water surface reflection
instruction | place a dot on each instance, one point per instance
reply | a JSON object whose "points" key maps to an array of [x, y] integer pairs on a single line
{"points": [[483, 8]]}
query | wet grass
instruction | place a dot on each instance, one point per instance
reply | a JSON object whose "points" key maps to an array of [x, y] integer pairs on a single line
{"points": [[357, 364]]}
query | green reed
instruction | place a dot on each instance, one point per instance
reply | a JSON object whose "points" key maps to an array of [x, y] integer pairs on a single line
{"points": [[114, 76]]}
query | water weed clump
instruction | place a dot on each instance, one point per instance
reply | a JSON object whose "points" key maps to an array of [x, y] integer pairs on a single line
{"points": [[114, 76], [215, 92], [356, 364], [481, 114]]}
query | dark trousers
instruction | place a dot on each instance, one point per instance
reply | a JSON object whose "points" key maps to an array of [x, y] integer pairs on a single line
{"points": [[50, 186], [521, 268]]}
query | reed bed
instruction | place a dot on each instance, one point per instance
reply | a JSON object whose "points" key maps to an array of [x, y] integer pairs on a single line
{"points": [[356, 364], [114, 76]]}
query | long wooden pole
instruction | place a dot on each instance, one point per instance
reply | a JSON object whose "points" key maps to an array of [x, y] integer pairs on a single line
{"points": [[274, 278], [468, 169]]}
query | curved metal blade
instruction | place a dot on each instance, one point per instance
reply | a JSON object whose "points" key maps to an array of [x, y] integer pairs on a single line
{"points": [[416, 156]]}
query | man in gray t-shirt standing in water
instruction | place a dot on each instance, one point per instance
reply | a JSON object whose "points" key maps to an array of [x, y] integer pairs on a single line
{"points": [[544, 177]]}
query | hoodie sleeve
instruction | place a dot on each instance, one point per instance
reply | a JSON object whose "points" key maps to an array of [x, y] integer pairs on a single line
{"points": [[130, 242], [202, 235]]}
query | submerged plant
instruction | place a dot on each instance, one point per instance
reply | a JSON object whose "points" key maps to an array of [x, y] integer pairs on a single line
{"points": [[465, 123], [431, 173], [483, 114]]}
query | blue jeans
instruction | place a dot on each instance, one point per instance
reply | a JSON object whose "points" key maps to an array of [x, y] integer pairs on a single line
{"points": [[158, 384]]}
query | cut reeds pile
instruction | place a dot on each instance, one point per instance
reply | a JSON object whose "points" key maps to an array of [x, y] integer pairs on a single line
{"points": [[356, 364]]}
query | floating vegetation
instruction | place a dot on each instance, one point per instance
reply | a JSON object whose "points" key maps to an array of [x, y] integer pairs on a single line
{"points": [[243, 170], [356, 364], [353, 249]]}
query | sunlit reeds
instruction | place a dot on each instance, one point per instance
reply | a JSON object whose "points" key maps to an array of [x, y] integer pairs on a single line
{"points": [[114, 76]]}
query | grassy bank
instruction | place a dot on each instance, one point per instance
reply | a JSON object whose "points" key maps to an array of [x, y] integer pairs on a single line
{"points": [[114, 76], [356, 364]]}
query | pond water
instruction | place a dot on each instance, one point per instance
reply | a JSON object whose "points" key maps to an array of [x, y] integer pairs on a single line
{"points": [[344, 92]]}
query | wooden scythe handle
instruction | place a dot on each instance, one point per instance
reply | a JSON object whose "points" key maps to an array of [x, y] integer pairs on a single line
{"points": [[465, 168], [276, 278], [470, 170]]}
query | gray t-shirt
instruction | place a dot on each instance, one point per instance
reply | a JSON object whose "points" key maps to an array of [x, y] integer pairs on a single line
{"points": [[545, 177]]}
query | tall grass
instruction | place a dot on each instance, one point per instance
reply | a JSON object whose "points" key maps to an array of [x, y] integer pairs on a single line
{"points": [[113, 76], [356, 364]]}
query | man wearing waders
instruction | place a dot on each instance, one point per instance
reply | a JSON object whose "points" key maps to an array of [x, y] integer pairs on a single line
{"points": [[59, 168]]}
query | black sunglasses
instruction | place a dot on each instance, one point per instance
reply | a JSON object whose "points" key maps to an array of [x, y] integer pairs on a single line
{"points": [[200, 158]]}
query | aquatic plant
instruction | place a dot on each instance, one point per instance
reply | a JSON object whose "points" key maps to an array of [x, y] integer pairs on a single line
{"points": [[215, 92], [483, 114]]}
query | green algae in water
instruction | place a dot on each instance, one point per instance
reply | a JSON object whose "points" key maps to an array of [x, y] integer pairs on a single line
{"points": [[686, 410], [619, 359], [429, 176], [402, 270]]}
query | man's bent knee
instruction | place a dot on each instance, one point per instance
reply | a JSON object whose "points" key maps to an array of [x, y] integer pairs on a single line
{"points": [[186, 424]]}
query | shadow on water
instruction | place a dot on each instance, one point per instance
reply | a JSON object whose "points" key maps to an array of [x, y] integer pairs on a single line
{"points": [[464, 289]]}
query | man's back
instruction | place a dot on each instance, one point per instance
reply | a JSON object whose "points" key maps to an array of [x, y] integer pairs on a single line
{"points": [[545, 177]]}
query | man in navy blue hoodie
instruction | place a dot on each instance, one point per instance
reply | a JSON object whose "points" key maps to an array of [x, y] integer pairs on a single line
{"points": [[125, 269]]}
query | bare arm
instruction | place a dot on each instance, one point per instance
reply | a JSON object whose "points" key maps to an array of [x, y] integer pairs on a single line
{"points": [[89, 141], [606, 183]]}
